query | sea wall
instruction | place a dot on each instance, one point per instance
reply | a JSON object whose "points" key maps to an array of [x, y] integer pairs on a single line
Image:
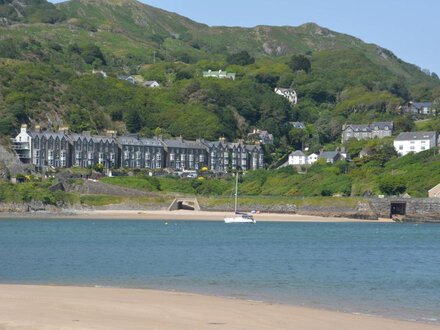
{"points": [[416, 209], [359, 210]]}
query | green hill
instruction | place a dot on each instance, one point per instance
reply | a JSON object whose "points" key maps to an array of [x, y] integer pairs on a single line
{"points": [[46, 74]]}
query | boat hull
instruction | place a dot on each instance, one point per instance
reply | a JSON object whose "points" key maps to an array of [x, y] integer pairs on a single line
{"points": [[240, 220]]}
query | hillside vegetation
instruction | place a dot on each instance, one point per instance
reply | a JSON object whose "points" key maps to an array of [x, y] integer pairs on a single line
{"points": [[48, 54]]}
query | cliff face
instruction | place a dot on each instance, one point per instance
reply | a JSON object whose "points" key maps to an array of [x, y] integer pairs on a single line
{"points": [[10, 165]]}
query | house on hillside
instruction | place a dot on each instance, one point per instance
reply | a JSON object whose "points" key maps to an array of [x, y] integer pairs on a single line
{"points": [[331, 156], [129, 79], [183, 154], [288, 93], [297, 158], [91, 150], [22, 144], [369, 131], [151, 84], [312, 158], [417, 108], [219, 74], [407, 142], [261, 136], [51, 149], [298, 124], [218, 160]]}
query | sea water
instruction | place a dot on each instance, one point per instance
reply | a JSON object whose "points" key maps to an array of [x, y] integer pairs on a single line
{"points": [[384, 269]]}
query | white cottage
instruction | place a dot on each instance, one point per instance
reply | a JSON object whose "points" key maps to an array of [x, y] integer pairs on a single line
{"points": [[297, 158], [407, 142]]}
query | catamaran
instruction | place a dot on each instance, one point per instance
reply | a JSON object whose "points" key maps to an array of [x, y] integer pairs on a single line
{"points": [[239, 217]]}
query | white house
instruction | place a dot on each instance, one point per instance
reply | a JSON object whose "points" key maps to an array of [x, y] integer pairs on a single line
{"points": [[219, 74], [312, 158], [151, 84], [288, 93], [407, 142], [297, 158], [22, 145]]}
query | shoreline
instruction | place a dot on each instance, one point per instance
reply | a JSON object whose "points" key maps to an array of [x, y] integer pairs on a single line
{"points": [[175, 216], [40, 307]]}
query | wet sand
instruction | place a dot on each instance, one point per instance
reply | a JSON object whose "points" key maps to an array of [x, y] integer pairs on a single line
{"points": [[28, 307], [176, 215]]}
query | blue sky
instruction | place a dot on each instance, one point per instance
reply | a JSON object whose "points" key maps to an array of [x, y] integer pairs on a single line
{"points": [[410, 29]]}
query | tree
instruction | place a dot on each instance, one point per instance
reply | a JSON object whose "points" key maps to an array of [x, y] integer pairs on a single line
{"points": [[392, 185], [267, 78], [92, 55], [241, 58], [300, 62]]}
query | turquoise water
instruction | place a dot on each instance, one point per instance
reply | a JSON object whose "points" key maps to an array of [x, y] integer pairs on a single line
{"points": [[386, 269]]}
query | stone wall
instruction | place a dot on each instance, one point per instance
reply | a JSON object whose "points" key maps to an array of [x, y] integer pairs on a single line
{"points": [[417, 209]]}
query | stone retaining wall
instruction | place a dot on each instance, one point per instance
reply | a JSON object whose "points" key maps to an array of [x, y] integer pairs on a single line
{"points": [[417, 209]]}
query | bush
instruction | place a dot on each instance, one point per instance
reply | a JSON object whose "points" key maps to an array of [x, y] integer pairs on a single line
{"points": [[392, 185]]}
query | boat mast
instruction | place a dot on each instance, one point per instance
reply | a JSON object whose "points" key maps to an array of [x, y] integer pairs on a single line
{"points": [[236, 191]]}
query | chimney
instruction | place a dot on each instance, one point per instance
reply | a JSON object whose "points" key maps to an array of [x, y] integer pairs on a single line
{"points": [[111, 133], [38, 128], [64, 129], [87, 133], [23, 128]]}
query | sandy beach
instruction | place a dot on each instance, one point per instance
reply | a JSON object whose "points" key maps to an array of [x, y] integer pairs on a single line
{"points": [[28, 307], [176, 215]]}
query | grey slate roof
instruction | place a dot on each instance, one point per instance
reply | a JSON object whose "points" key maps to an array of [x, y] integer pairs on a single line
{"points": [[328, 154], [419, 105], [408, 136], [129, 140], [297, 153], [180, 143], [370, 127], [150, 142], [49, 134]]}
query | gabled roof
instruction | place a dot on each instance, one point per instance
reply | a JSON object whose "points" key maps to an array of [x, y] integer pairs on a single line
{"points": [[150, 82], [328, 154], [382, 124], [408, 136], [369, 127], [97, 139], [420, 105], [185, 144], [151, 142], [49, 134], [298, 153], [129, 140], [357, 128]]}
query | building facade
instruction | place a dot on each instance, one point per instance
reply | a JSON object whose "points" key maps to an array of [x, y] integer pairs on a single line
{"points": [[61, 149], [363, 132], [51, 149], [407, 142], [288, 93]]}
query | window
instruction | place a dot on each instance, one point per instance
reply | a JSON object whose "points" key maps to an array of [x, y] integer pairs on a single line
{"points": [[401, 147]]}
